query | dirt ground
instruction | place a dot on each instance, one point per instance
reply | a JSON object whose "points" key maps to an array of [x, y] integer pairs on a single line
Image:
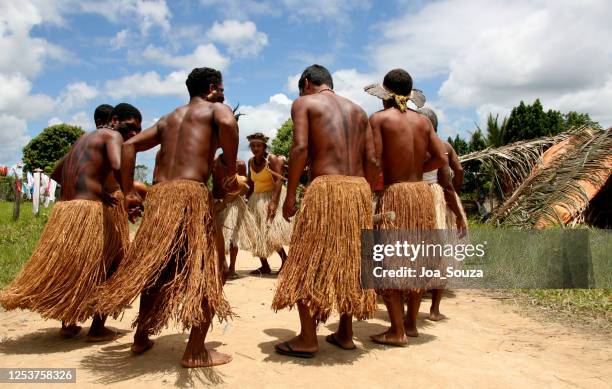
{"points": [[483, 343]]}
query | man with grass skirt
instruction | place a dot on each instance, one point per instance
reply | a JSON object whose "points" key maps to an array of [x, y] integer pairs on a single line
{"points": [[322, 272], [85, 237], [410, 147], [236, 221], [173, 261], [450, 215]]}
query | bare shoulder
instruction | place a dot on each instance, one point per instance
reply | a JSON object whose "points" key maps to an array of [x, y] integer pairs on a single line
{"points": [[379, 116], [221, 108]]}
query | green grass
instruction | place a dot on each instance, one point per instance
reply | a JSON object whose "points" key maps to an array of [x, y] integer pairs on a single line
{"points": [[18, 238]]}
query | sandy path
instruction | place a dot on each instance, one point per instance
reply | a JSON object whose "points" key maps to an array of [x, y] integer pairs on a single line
{"points": [[483, 344]]}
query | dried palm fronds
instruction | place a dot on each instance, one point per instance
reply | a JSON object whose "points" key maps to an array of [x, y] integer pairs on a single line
{"points": [[512, 163], [559, 188]]}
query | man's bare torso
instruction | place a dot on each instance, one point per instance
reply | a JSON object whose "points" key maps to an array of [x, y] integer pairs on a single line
{"points": [[336, 136], [86, 167], [220, 173], [188, 141], [406, 141]]}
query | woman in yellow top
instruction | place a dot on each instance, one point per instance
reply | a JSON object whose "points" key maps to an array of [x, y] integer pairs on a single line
{"points": [[266, 193]]}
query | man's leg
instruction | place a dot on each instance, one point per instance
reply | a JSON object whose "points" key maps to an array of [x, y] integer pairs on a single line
{"points": [[232, 266], [283, 256], [98, 332], [414, 302], [264, 269], [434, 311], [69, 331], [196, 354], [343, 338], [306, 341], [141, 337], [395, 335]]}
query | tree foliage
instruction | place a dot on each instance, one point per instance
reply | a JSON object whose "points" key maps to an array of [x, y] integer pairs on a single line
{"points": [[45, 149], [461, 147], [530, 121], [477, 141], [281, 144]]}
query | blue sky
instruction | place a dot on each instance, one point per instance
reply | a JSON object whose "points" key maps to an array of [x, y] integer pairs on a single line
{"points": [[472, 57]]}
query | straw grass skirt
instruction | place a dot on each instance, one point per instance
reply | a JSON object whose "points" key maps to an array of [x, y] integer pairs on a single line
{"points": [[439, 205], [238, 225], [415, 209], [324, 265], [173, 254], [273, 235], [80, 243]]}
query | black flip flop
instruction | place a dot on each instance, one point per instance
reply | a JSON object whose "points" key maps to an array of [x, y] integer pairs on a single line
{"points": [[332, 340], [291, 352]]}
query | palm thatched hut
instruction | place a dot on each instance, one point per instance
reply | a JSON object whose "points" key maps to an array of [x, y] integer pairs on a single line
{"points": [[562, 180]]}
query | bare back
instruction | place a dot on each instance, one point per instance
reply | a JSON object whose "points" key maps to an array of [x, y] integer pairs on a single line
{"points": [[188, 139], [408, 141], [89, 164], [336, 135]]}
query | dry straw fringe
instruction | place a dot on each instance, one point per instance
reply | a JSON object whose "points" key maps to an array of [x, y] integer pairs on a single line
{"points": [[272, 236], [414, 207], [440, 205], [238, 224], [174, 252], [324, 265], [120, 238], [75, 251]]}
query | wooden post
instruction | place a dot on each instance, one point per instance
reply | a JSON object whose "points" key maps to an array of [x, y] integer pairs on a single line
{"points": [[36, 194], [17, 204]]}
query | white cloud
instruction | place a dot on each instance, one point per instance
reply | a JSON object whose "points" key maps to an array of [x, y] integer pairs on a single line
{"points": [[242, 9], [81, 119], [22, 53], [76, 95], [13, 136], [491, 54], [15, 98], [120, 39], [147, 84], [318, 10], [204, 55], [147, 13], [241, 38], [266, 117]]}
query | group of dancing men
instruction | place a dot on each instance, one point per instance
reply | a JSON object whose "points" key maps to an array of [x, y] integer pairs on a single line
{"points": [[85, 266]]}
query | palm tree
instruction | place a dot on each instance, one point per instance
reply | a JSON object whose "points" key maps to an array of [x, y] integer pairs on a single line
{"points": [[495, 132]]}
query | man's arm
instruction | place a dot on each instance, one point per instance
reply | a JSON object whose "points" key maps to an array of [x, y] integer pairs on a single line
{"points": [[444, 180], [228, 136], [372, 151], [436, 150], [298, 154], [276, 166], [146, 140], [241, 168], [455, 166], [250, 182]]}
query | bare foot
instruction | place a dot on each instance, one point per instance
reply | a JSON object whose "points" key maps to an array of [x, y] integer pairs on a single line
{"points": [[336, 340], [70, 331], [207, 358], [261, 271], [140, 347], [389, 339], [410, 329], [103, 335], [436, 316]]}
